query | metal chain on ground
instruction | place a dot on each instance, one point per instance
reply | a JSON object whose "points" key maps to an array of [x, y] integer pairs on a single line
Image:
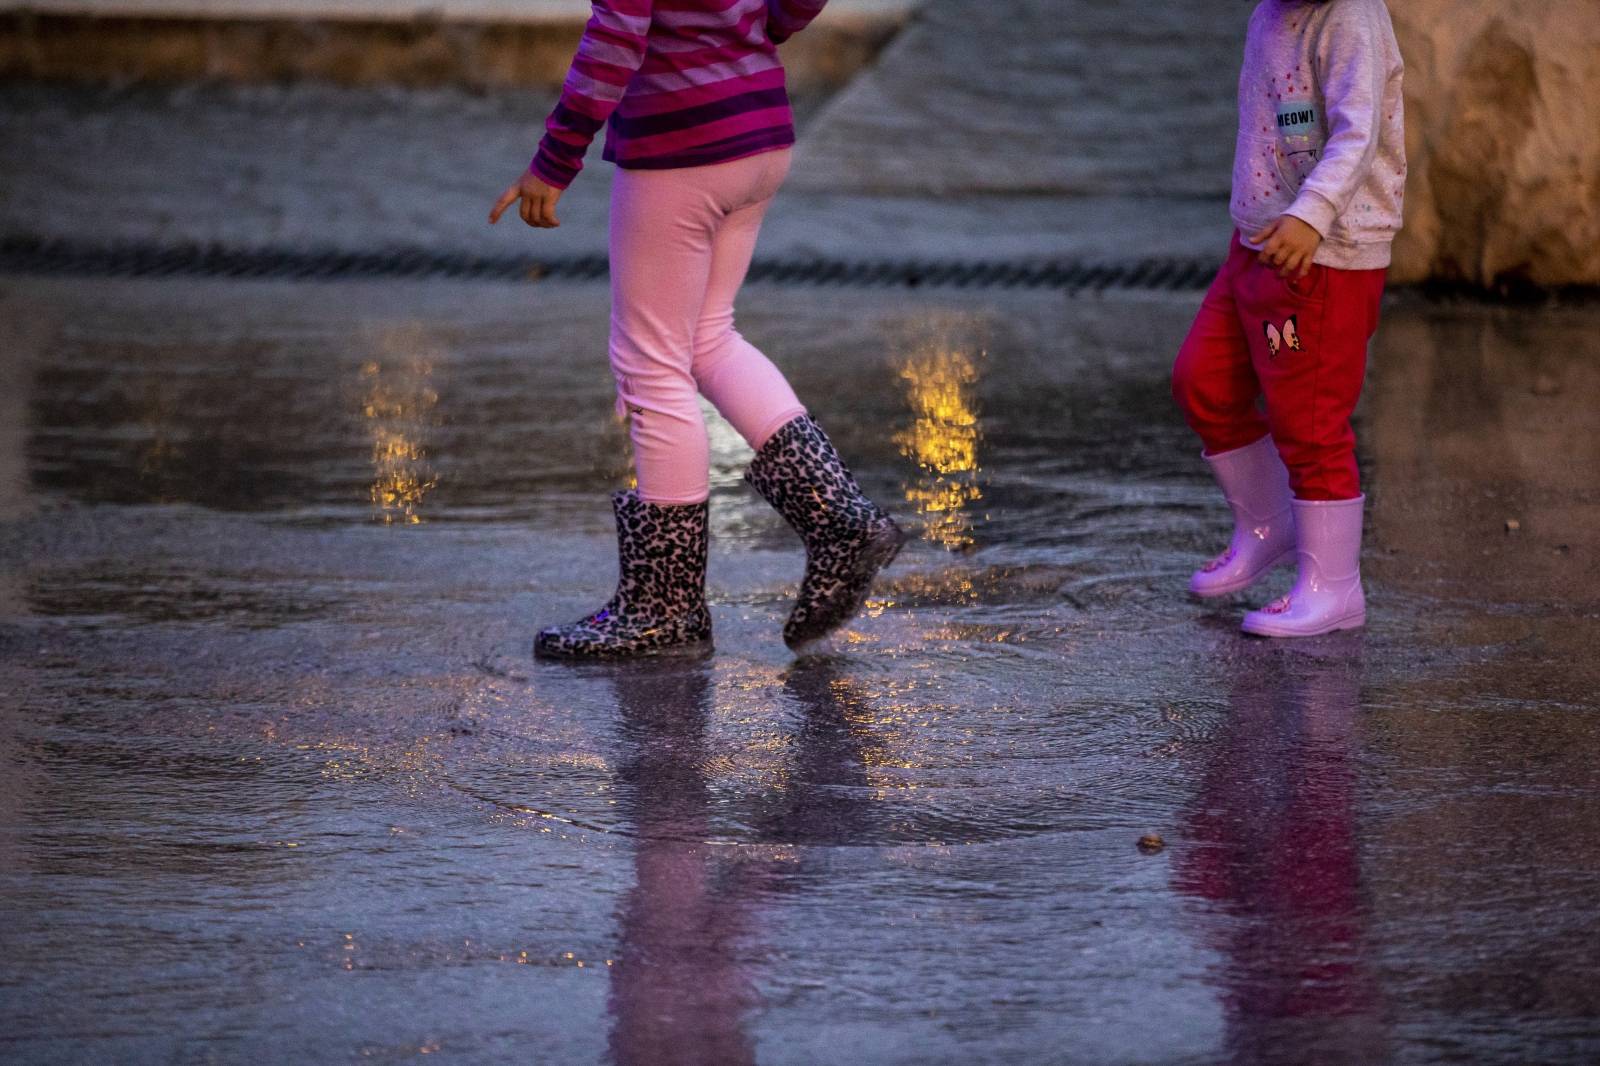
{"points": [[60, 258]]}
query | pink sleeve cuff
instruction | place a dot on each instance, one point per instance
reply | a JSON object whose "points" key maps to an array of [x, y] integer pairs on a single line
{"points": [[551, 171], [1315, 210]]}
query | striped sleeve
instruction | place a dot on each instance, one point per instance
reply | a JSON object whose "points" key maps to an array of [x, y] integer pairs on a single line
{"points": [[785, 18], [611, 50]]}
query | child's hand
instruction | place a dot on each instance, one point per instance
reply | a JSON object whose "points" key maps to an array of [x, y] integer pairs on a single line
{"points": [[538, 202], [1288, 243]]}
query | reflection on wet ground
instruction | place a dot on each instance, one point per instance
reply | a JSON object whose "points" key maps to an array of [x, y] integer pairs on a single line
{"points": [[940, 372], [1273, 835], [281, 781]]}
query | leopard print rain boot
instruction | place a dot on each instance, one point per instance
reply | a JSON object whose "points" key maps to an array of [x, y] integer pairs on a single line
{"points": [[848, 538], [660, 604]]}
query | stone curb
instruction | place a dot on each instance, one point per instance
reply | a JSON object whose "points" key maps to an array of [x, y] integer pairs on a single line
{"points": [[421, 51]]}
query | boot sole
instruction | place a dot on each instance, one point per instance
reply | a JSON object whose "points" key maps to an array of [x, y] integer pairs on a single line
{"points": [[879, 554], [1349, 621], [697, 649], [1245, 582]]}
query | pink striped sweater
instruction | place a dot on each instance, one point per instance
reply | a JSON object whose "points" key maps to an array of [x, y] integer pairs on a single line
{"points": [[681, 83]]}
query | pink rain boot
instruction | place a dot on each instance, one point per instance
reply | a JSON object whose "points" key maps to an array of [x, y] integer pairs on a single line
{"points": [[1327, 596], [1255, 483]]}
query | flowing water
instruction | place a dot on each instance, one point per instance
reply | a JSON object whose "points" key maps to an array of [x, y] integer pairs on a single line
{"points": [[282, 783]]}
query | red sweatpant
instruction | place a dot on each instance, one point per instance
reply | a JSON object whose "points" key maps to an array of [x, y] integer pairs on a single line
{"points": [[1298, 345]]}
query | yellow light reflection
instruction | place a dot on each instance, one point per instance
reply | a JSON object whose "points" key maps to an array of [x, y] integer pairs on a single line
{"points": [[398, 408], [943, 439]]}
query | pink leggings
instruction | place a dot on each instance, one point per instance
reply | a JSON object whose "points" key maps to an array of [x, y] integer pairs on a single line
{"points": [[681, 242]]}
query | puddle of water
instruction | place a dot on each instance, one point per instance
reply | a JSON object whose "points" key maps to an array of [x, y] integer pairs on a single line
{"points": [[281, 779]]}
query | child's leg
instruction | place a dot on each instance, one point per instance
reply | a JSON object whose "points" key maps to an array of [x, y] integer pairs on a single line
{"points": [[848, 538], [1213, 380], [663, 223], [1310, 353], [740, 382], [1215, 385], [662, 227]]}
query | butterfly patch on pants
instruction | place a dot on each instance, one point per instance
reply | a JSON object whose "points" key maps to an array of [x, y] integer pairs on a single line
{"points": [[1277, 340]]}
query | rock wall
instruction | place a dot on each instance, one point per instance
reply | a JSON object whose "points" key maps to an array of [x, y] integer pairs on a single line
{"points": [[1503, 137]]}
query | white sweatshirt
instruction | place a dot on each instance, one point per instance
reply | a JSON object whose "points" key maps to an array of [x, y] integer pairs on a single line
{"points": [[1322, 127]]}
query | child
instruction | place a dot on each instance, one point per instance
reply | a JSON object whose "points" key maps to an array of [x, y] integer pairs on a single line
{"points": [[699, 123], [1318, 176]]}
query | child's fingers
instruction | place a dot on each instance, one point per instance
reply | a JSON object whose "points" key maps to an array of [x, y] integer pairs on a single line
{"points": [[507, 198], [1273, 252], [1266, 231], [527, 210], [547, 211]]}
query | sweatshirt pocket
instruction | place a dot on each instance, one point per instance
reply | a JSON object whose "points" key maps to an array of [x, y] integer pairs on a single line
{"points": [[1299, 143]]}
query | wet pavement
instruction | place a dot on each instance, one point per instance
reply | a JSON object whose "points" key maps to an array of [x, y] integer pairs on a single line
{"points": [[279, 780], [282, 783]]}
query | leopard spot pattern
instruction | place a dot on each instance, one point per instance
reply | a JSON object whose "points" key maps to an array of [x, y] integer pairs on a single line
{"points": [[660, 604], [847, 537]]}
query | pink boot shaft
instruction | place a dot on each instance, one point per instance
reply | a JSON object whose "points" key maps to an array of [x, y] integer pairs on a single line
{"points": [[1255, 483], [1327, 595]]}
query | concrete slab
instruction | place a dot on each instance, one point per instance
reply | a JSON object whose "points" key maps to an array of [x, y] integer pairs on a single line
{"points": [[1030, 130], [1038, 98], [356, 169]]}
